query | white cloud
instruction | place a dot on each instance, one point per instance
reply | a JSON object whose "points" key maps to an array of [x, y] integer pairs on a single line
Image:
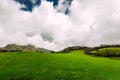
{"points": [[90, 23]]}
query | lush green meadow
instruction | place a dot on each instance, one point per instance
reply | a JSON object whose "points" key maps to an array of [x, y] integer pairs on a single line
{"points": [[67, 66]]}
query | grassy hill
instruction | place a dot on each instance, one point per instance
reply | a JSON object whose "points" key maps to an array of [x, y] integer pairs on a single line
{"points": [[73, 66], [105, 52]]}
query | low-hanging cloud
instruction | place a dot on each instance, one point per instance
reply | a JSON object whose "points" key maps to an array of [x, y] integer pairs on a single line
{"points": [[89, 23]]}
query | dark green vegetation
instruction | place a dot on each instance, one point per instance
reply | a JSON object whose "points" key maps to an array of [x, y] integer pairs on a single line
{"points": [[108, 51], [42, 66]]}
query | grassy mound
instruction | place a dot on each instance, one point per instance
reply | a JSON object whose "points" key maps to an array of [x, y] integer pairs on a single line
{"points": [[103, 50], [106, 52], [69, 49], [73, 66]]}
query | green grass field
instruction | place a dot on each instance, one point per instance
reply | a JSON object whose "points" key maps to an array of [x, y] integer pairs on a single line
{"points": [[70, 66]]}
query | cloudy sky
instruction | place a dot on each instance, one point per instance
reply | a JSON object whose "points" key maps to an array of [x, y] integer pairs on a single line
{"points": [[56, 24]]}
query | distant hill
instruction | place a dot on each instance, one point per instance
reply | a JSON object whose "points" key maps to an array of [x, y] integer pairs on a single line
{"points": [[103, 50], [14, 47], [23, 48], [44, 50]]}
